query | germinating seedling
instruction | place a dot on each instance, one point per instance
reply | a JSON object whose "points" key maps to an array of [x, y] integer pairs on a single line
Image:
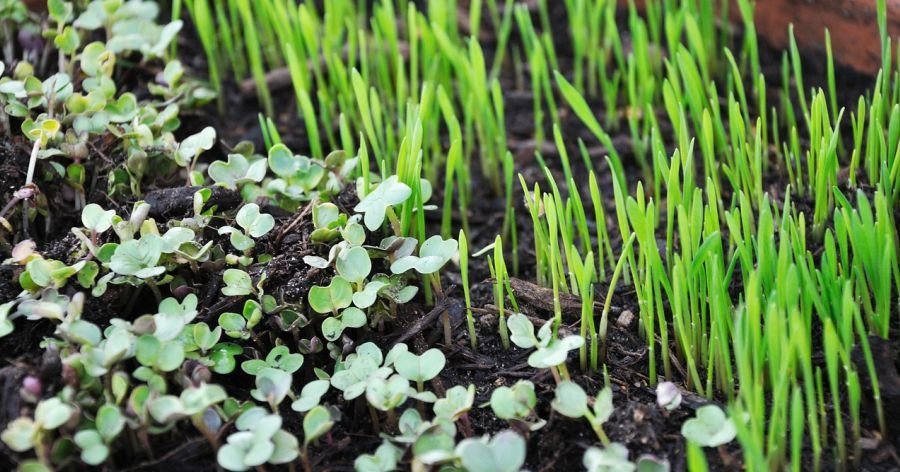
{"points": [[612, 457], [571, 401], [505, 452], [550, 352], [710, 428], [516, 404]]}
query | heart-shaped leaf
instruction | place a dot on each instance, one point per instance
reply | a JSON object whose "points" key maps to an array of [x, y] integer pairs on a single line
{"points": [[570, 400], [420, 368], [337, 295], [390, 192], [505, 452], [710, 428]]}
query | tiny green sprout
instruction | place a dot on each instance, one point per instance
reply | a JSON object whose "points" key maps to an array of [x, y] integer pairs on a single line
{"points": [[256, 224], [434, 253], [421, 368], [505, 452], [239, 325], [367, 296], [285, 164], [238, 170], [279, 357], [272, 386], [432, 447], [192, 146], [357, 368], [354, 264], [398, 247], [223, 356], [310, 395], [335, 296], [316, 423], [456, 402], [138, 257], [96, 219], [350, 317], [321, 262], [711, 427], [515, 403], [387, 394], [22, 433], [237, 283], [384, 459], [612, 458], [175, 238], [550, 351], [571, 401], [94, 443], [94, 450], [259, 440], [327, 219], [668, 395], [40, 273], [376, 204], [164, 356], [199, 337], [174, 316]]}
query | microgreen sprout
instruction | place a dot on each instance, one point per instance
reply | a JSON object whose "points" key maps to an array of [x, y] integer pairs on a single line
{"points": [[505, 452], [516, 404], [571, 401], [710, 428], [612, 457], [550, 352]]}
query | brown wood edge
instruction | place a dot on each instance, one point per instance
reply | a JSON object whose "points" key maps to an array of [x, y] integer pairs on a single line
{"points": [[855, 40]]}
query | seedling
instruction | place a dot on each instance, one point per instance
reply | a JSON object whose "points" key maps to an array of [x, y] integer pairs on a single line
{"points": [[384, 459], [380, 202], [272, 386], [350, 317], [550, 353], [612, 457], [237, 283], [387, 394], [329, 299], [254, 225], [240, 326], [710, 427], [357, 369], [505, 452], [259, 440], [571, 401], [279, 358], [456, 403], [310, 395], [23, 434], [316, 423], [464, 275], [237, 171], [419, 368], [516, 404]]}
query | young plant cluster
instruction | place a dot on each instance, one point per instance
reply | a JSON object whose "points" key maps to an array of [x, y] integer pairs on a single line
{"points": [[62, 95]]}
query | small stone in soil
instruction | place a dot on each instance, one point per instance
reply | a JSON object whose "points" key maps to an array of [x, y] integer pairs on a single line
{"points": [[625, 319]]}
